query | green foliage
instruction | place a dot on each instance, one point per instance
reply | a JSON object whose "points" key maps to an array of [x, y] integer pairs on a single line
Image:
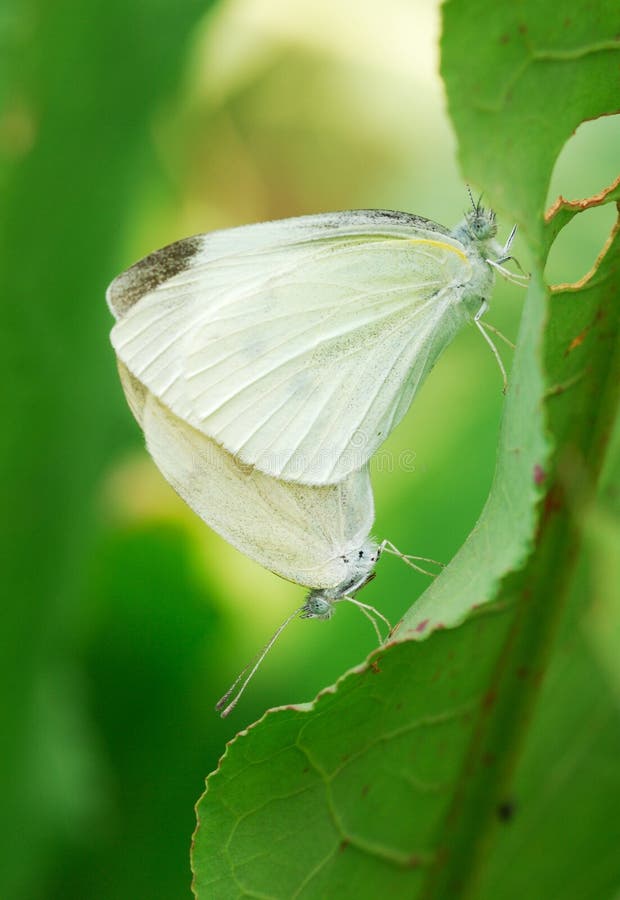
{"points": [[85, 82], [477, 760], [519, 82]]}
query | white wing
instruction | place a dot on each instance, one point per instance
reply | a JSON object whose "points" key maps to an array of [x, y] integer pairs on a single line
{"points": [[297, 345], [296, 531], [135, 393]]}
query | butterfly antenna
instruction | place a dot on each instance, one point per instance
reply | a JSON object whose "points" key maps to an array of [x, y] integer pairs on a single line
{"points": [[471, 197], [407, 558], [368, 612], [253, 666]]}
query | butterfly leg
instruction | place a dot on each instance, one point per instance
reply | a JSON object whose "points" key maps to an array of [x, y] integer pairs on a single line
{"points": [[505, 257], [501, 336], [518, 278], [368, 612], [408, 558], [484, 334], [508, 244]]}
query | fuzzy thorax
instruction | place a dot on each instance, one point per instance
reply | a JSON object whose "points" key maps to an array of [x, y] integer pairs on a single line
{"points": [[360, 564]]}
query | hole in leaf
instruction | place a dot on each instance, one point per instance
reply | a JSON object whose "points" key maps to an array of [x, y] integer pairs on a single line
{"points": [[578, 245], [588, 161]]}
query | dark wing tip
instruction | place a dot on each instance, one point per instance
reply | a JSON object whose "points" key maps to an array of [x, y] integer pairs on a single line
{"points": [[409, 220], [148, 273]]}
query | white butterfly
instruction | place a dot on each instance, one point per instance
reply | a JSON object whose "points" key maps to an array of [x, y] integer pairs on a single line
{"points": [[299, 345], [315, 536]]}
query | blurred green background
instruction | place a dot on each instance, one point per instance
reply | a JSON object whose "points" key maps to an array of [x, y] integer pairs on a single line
{"points": [[124, 126]]}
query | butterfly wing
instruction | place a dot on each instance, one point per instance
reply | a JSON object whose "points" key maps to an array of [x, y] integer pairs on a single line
{"points": [[297, 531], [297, 345]]}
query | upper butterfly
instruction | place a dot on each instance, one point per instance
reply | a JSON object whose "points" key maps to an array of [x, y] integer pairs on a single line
{"points": [[298, 345]]}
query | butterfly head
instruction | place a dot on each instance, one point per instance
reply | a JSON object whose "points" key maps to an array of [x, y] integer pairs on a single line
{"points": [[480, 223], [317, 606], [478, 229], [359, 564]]}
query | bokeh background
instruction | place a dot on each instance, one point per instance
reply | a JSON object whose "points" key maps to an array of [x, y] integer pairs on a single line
{"points": [[124, 126]]}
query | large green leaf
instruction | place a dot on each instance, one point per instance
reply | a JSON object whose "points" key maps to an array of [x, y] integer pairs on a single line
{"points": [[429, 771], [519, 82]]}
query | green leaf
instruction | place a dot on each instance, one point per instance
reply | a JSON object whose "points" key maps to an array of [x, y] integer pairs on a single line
{"points": [[502, 538], [441, 767], [519, 82], [311, 804]]}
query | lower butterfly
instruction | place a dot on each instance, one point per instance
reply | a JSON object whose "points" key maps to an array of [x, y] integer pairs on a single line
{"points": [[317, 537], [299, 345]]}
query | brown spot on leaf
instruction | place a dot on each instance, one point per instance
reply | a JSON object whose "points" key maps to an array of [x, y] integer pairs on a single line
{"points": [[539, 474], [344, 843], [554, 502], [365, 790], [601, 314], [489, 699], [577, 341], [505, 810], [421, 626], [376, 668]]}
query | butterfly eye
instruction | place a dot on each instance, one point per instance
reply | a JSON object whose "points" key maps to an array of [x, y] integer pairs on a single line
{"points": [[317, 606], [482, 223]]}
